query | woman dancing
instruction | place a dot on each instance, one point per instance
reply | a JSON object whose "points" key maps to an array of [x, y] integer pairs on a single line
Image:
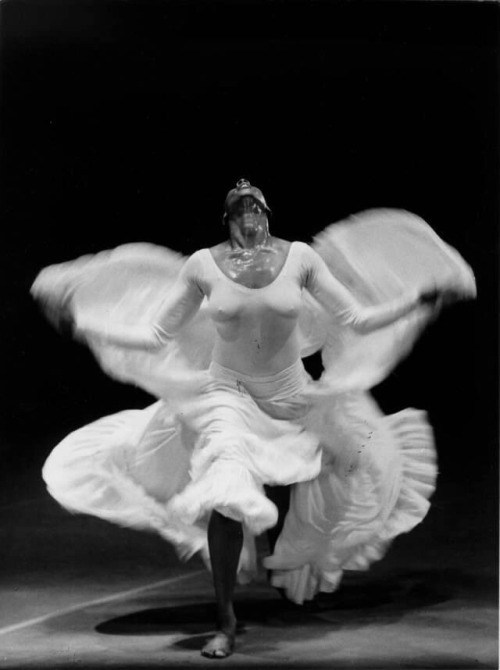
{"points": [[219, 339]]}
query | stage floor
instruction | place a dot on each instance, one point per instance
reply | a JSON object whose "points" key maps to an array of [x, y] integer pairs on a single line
{"points": [[78, 592]]}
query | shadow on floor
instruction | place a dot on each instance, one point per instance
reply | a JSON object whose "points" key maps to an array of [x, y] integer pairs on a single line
{"points": [[360, 600]]}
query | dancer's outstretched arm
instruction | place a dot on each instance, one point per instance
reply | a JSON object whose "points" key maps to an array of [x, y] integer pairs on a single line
{"points": [[181, 303], [337, 300]]}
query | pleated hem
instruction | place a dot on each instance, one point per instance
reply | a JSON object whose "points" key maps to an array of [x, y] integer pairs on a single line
{"points": [[323, 570], [228, 488]]}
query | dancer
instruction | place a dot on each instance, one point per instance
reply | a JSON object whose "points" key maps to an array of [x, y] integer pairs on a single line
{"points": [[219, 339]]}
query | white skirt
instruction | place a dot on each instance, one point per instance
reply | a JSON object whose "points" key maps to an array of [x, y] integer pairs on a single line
{"points": [[358, 478]]}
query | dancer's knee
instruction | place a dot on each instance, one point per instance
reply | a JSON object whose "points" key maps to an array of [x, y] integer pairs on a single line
{"points": [[225, 524]]}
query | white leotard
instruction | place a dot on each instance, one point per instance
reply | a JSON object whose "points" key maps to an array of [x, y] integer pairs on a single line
{"points": [[256, 328]]}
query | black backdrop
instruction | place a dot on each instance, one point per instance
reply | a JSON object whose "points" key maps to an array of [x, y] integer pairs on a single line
{"points": [[129, 120]]}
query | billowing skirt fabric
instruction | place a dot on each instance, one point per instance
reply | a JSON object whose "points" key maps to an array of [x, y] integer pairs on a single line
{"points": [[359, 478]]}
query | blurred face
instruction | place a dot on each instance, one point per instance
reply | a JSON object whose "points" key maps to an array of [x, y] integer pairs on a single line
{"points": [[248, 214]]}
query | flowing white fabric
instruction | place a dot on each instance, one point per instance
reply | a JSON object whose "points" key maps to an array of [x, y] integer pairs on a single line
{"points": [[216, 437]]}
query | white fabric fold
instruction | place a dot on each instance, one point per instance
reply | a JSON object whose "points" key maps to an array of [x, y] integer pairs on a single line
{"points": [[216, 437]]}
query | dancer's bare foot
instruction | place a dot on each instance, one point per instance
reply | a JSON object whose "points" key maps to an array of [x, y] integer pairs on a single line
{"points": [[220, 646]]}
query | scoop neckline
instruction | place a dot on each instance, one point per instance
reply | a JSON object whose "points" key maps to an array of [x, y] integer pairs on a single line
{"points": [[250, 288]]}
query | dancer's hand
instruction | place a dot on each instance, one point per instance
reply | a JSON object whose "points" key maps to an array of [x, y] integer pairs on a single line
{"points": [[431, 297], [90, 329], [435, 297]]}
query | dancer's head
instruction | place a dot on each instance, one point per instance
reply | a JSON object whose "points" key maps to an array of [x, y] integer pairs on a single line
{"points": [[246, 207]]}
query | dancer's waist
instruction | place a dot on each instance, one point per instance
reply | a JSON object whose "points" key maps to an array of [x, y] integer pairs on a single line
{"points": [[280, 385]]}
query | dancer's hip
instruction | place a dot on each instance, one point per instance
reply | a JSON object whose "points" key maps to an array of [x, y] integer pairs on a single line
{"points": [[278, 386]]}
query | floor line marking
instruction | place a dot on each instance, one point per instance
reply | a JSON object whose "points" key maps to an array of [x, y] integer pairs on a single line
{"points": [[97, 601]]}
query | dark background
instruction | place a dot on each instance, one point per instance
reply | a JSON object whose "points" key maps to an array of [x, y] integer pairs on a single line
{"points": [[129, 121]]}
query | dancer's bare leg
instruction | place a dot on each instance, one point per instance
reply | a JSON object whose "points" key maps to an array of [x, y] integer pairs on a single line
{"points": [[280, 496], [225, 540]]}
